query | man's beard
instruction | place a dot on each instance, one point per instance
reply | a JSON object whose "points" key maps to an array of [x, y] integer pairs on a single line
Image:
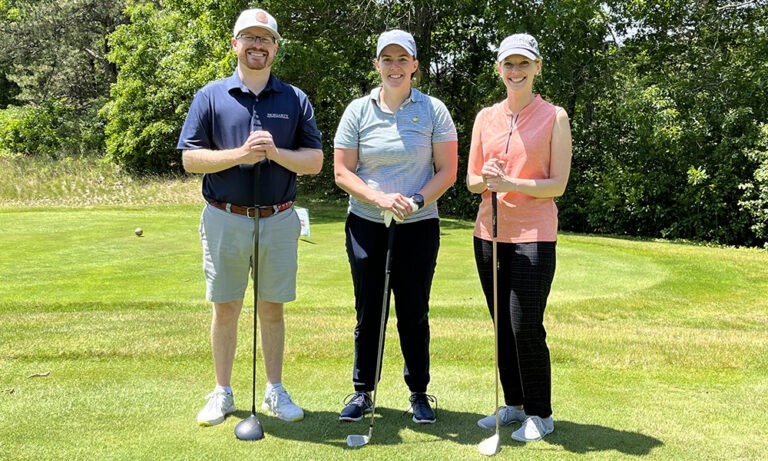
{"points": [[259, 63]]}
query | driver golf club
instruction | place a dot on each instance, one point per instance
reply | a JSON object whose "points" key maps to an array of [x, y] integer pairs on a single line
{"points": [[250, 428], [360, 440], [490, 446]]}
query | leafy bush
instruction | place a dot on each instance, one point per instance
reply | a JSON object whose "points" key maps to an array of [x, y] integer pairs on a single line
{"points": [[164, 55], [52, 129], [756, 192]]}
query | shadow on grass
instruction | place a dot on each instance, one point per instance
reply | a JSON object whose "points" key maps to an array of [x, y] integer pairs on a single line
{"points": [[589, 438], [448, 224], [324, 427], [458, 427]]}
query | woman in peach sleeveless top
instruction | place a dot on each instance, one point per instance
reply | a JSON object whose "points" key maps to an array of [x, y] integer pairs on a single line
{"points": [[521, 154]]}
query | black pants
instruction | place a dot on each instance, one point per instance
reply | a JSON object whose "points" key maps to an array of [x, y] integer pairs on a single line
{"points": [[414, 258], [525, 276]]}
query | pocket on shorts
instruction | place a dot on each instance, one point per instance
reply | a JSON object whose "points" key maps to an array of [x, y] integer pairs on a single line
{"points": [[297, 221]]}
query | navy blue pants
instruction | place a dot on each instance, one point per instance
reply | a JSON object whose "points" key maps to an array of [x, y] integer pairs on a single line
{"points": [[525, 276], [414, 258]]}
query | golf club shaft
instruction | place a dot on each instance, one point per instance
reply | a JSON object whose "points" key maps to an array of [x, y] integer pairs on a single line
{"points": [[250, 428], [384, 309], [495, 261], [512, 125], [255, 269]]}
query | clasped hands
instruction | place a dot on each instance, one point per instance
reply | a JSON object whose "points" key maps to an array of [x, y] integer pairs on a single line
{"points": [[494, 177], [396, 206], [260, 146]]}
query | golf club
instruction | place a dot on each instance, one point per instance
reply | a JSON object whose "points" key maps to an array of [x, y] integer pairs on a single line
{"points": [[360, 440], [490, 446], [250, 428]]}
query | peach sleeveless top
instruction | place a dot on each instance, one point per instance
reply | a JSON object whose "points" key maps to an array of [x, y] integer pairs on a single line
{"points": [[521, 218]]}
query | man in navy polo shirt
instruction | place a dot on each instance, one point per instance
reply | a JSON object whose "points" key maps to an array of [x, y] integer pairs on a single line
{"points": [[250, 135]]}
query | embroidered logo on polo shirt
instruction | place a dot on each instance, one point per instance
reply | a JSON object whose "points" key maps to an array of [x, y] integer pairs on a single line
{"points": [[283, 116]]}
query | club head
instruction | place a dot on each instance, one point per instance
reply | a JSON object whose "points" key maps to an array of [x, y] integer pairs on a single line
{"points": [[489, 446], [249, 429], [357, 440]]}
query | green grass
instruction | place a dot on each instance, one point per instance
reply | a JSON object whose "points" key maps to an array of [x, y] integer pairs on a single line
{"points": [[659, 350]]}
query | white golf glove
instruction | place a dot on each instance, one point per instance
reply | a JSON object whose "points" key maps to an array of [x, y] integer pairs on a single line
{"points": [[389, 216]]}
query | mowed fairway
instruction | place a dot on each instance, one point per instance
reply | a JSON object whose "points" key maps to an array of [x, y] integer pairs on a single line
{"points": [[659, 350]]}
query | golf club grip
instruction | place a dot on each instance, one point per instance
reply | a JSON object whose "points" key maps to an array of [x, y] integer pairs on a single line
{"points": [[390, 244], [494, 214]]}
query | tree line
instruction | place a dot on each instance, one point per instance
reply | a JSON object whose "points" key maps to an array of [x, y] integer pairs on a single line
{"points": [[668, 100]]}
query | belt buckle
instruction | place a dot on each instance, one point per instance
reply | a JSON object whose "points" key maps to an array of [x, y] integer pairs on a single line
{"points": [[250, 209]]}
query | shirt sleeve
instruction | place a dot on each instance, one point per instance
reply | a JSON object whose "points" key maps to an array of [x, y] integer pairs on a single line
{"points": [[444, 129], [348, 132], [310, 137], [195, 134]]}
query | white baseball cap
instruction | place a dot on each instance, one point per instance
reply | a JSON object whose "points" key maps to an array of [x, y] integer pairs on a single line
{"points": [[396, 37], [256, 17], [522, 44]]}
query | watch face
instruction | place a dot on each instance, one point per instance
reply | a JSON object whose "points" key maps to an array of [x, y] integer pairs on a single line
{"points": [[419, 199]]}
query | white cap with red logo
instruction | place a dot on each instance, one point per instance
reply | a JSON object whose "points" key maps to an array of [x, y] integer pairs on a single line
{"points": [[256, 18]]}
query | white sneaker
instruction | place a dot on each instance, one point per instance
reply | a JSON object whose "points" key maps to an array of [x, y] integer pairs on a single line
{"points": [[220, 404], [280, 404], [507, 416], [534, 428]]}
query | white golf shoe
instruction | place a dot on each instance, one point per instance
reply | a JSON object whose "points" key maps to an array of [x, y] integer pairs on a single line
{"points": [[279, 403], [220, 404], [534, 428], [507, 416]]}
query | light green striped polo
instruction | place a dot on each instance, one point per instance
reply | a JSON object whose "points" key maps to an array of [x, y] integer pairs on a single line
{"points": [[394, 149]]}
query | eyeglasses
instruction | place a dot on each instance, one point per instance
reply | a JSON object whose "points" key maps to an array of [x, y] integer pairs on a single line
{"points": [[255, 39]]}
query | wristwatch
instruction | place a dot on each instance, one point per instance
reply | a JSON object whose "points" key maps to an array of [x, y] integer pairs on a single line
{"points": [[418, 199]]}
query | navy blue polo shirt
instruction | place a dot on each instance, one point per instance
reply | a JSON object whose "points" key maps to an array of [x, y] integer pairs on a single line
{"points": [[222, 116]]}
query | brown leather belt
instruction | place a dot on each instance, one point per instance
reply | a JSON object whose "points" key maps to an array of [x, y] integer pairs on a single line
{"points": [[250, 211]]}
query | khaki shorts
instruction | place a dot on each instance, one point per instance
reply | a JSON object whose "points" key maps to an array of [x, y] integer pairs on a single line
{"points": [[228, 247]]}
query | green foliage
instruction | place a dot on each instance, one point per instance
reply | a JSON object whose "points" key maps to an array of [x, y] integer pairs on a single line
{"points": [[58, 49], [53, 62], [8, 89], [164, 56], [684, 92], [755, 200], [52, 130]]}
